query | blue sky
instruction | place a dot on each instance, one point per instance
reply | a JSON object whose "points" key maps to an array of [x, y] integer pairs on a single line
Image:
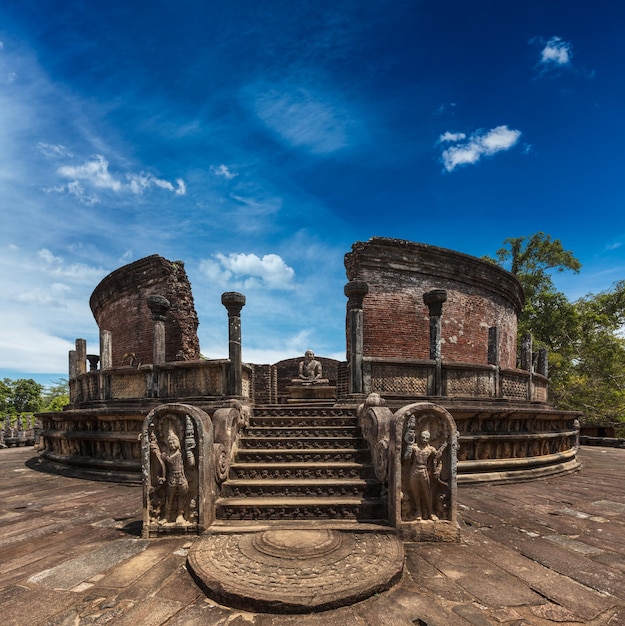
{"points": [[256, 141]]}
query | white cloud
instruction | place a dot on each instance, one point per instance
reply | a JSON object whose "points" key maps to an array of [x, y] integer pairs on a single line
{"points": [[56, 266], [51, 151], [478, 145], [95, 173], [451, 137], [224, 171], [245, 271], [304, 119], [556, 52]]}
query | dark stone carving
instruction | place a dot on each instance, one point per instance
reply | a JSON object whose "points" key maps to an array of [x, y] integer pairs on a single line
{"points": [[422, 488], [177, 455]]}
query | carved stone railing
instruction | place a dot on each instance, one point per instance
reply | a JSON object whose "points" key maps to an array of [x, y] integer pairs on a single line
{"points": [[394, 377], [179, 379]]}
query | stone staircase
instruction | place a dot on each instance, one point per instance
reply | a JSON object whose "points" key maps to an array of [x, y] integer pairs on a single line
{"points": [[302, 462]]}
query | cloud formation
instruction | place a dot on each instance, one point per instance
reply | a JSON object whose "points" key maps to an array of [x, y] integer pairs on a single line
{"points": [[478, 145], [304, 119], [244, 271], [95, 174], [556, 53], [224, 171]]}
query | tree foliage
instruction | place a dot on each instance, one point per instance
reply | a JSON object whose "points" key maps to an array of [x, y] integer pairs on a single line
{"points": [[585, 340], [25, 395]]}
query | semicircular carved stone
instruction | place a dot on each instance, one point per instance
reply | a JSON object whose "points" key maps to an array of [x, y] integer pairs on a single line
{"points": [[295, 570]]}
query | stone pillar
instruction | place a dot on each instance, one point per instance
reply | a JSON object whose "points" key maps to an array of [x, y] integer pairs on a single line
{"points": [[493, 358], [526, 363], [434, 301], [81, 356], [106, 349], [355, 290], [526, 353], [543, 362], [493, 345], [158, 305], [73, 366], [93, 359], [234, 302]]}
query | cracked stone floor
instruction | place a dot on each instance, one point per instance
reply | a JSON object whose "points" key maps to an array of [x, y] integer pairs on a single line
{"points": [[545, 552]]}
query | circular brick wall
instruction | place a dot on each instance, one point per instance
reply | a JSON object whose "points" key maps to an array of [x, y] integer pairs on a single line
{"points": [[119, 304], [396, 323]]}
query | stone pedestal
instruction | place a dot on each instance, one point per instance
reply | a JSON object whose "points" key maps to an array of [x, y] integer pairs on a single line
{"points": [[311, 392]]}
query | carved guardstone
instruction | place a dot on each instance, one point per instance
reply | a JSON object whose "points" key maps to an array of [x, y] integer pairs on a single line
{"points": [[422, 486], [178, 486]]}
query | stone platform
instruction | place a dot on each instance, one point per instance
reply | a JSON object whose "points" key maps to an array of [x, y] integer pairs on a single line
{"points": [[550, 551]]}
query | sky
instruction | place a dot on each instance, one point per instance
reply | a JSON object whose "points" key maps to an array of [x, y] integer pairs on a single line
{"points": [[257, 141]]}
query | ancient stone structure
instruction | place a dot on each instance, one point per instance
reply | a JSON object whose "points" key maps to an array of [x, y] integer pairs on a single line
{"points": [[439, 325], [121, 305], [432, 394]]}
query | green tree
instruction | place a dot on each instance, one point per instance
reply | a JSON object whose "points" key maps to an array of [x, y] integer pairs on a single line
{"points": [[547, 314], [56, 396], [26, 395], [5, 395], [584, 338]]}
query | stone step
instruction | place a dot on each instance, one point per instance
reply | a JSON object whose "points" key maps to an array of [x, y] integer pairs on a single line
{"points": [[283, 420], [290, 508], [299, 471], [303, 432], [317, 488], [247, 442], [272, 455]]}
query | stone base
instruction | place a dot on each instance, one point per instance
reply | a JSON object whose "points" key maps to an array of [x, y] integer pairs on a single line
{"points": [[294, 570], [429, 530], [311, 392]]}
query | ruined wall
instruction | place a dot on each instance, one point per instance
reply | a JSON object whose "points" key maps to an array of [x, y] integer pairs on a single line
{"points": [[119, 305], [395, 319]]}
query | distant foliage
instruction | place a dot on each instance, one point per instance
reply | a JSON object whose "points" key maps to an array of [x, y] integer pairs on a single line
{"points": [[24, 395], [584, 338]]}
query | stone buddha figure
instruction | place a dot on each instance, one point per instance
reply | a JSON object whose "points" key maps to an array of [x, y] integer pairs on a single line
{"points": [[310, 371]]}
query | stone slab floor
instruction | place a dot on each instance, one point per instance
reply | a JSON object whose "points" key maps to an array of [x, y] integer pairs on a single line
{"points": [[545, 552]]}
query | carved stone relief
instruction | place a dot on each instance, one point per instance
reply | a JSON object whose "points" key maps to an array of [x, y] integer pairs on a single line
{"points": [[177, 450], [422, 488], [425, 492]]}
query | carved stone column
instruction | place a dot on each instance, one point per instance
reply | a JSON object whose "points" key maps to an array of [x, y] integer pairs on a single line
{"points": [[526, 353], [526, 362], [93, 359], [106, 349], [543, 362], [234, 302], [158, 305], [355, 290], [434, 301], [81, 356], [493, 358]]}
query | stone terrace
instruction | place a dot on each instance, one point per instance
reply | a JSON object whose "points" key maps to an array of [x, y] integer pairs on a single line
{"points": [[543, 552]]}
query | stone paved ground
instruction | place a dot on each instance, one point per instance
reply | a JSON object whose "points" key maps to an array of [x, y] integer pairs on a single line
{"points": [[546, 552]]}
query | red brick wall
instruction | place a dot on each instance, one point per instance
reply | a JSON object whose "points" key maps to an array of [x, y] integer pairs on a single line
{"points": [[119, 304], [396, 321]]}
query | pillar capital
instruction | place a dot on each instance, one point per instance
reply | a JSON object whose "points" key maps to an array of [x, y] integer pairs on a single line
{"points": [[356, 290], [434, 301], [233, 301], [158, 305]]}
